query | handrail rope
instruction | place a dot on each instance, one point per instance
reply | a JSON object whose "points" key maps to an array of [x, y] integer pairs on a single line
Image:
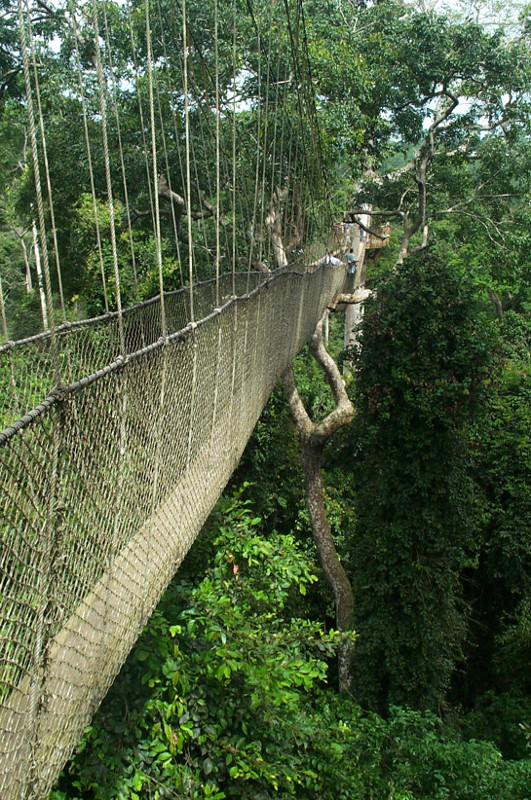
{"points": [[38, 187], [110, 200], [89, 162], [158, 246]]}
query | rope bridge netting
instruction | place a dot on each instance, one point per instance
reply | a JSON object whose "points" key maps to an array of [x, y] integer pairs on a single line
{"points": [[162, 186], [104, 489]]}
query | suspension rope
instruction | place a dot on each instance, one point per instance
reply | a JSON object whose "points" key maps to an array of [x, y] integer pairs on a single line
{"points": [[187, 139], [3, 312], [233, 182], [171, 182], [38, 188], [218, 159], [155, 172], [89, 162], [46, 165], [113, 96], [110, 200]]}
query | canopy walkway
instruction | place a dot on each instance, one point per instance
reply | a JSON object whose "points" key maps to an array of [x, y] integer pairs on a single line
{"points": [[151, 148], [107, 481]]}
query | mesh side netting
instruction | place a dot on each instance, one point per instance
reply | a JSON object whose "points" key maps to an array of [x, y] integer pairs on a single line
{"points": [[104, 490], [26, 367]]}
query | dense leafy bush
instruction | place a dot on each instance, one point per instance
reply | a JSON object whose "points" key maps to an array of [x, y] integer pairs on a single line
{"points": [[225, 695]]}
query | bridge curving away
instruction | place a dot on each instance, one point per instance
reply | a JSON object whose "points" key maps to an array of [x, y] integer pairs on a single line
{"points": [[107, 481]]}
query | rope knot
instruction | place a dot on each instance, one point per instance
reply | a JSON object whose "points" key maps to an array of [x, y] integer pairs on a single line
{"points": [[60, 393]]}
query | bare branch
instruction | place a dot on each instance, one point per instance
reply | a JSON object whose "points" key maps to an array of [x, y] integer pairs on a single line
{"points": [[359, 296]]}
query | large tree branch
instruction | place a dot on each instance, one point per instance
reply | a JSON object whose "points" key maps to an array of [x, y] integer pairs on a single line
{"points": [[359, 296], [423, 159], [344, 410], [300, 416]]}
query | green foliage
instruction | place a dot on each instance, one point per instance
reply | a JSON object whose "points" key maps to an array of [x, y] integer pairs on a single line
{"points": [[422, 374], [499, 587], [225, 696], [219, 677]]}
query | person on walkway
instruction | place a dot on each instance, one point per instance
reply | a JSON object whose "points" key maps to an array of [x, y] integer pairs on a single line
{"points": [[329, 258], [351, 262]]}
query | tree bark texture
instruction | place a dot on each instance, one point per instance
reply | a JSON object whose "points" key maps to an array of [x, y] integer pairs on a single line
{"points": [[313, 438]]}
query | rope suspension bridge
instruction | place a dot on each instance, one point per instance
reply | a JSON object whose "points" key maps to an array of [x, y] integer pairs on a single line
{"points": [[120, 431]]}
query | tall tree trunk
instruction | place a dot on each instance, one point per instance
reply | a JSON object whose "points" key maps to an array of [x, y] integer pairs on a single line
{"points": [[354, 312], [313, 438]]}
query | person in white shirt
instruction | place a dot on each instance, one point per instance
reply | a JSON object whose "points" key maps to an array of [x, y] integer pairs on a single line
{"points": [[330, 259]]}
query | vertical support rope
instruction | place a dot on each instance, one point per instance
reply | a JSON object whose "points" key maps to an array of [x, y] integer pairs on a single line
{"points": [[176, 140], [159, 429], [108, 179], [140, 110], [46, 168], [233, 369], [38, 189], [234, 148], [258, 136], [218, 177], [121, 151], [212, 456], [89, 162], [188, 180], [155, 171], [192, 401], [3, 312]]}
